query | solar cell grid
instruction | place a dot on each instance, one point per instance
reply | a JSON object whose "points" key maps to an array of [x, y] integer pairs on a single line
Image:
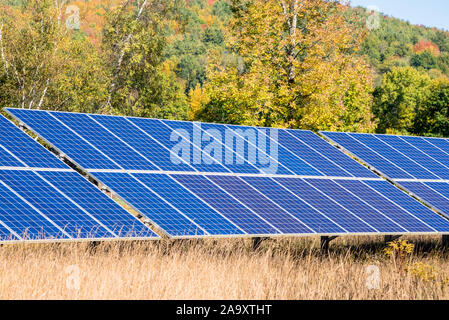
{"points": [[53, 204], [33, 208], [357, 206], [326, 150], [56, 133], [381, 201], [151, 205], [291, 202], [135, 137], [362, 151], [100, 207], [226, 205], [435, 169], [23, 147], [326, 205], [289, 163], [24, 220], [105, 142], [186, 202], [261, 205]]}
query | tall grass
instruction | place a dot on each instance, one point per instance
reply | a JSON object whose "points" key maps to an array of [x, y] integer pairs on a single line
{"points": [[221, 269]]}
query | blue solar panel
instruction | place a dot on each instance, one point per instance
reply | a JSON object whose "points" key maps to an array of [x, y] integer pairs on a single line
{"points": [[236, 154], [263, 206], [53, 204], [427, 216], [59, 135], [104, 141], [185, 201], [188, 131], [332, 209], [371, 214], [105, 210], [433, 169], [144, 143], [333, 154], [418, 164], [303, 151], [426, 147], [435, 193], [212, 178], [24, 220], [41, 198], [385, 199], [289, 163], [393, 155], [362, 151], [294, 205], [7, 160], [24, 148], [6, 234], [151, 205], [442, 144], [225, 204]]}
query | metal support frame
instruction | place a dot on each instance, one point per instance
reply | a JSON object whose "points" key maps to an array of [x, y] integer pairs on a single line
{"points": [[390, 238], [93, 246], [325, 240], [257, 241], [445, 240]]}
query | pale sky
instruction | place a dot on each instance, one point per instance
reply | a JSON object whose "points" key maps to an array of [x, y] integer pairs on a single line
{"points": [[431, 13]]}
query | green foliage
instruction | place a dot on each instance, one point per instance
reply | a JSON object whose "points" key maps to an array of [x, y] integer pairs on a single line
{"points": [[433, 115], [395, 39], [397, 100], [202, 32], [424, 60], [222, 9]]}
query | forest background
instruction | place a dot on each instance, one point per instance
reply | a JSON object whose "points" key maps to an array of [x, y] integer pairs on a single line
{"points": [[310, 64]]}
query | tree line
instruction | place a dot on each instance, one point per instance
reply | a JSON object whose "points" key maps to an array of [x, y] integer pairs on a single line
{"points": [[308, 64]]}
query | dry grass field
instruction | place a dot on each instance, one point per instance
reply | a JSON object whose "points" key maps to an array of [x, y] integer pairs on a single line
{"points": [[355, 268]]}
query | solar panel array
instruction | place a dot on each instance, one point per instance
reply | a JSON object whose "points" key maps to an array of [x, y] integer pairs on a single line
{"points": [[41, 198], [420, 165], [197, 180]]}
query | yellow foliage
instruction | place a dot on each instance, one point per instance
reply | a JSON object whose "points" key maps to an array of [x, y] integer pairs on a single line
{"points": [[423, 271], [398, 251], [299, 77], [197, 98], [399, 248]]}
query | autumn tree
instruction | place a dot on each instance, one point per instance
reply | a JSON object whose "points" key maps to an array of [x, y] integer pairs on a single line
{"points": [[142, 82], [42, 65], [294, 67], [31, 38]]}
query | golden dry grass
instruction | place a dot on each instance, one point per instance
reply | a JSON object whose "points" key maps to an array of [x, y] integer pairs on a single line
{"points": [[221, 269]]}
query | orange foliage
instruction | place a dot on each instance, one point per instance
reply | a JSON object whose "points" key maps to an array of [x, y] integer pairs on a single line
{"points": [[92, 15], [426, 45]]}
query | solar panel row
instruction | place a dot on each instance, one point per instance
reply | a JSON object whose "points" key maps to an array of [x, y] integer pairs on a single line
{"points": [[196, 179], [110, 142], [420, 165], [399, 157], [41, 198]]}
